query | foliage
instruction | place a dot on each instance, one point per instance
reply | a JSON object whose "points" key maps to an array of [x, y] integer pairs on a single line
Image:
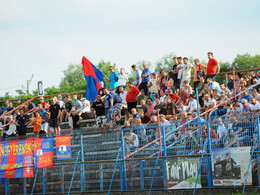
{"points": [[104, 68], [166, 62], [246, 61]]}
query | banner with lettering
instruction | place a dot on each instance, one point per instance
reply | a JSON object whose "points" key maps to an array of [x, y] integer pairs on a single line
{"points": [[229, 166], [182, 173], [43, 152], [16, 159], [63, 147]]}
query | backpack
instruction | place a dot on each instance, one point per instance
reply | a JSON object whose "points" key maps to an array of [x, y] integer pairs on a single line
{"points": [[116, 98]]}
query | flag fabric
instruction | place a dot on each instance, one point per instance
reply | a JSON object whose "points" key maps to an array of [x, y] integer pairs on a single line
{"points": [[92, 76], [43, 152], [63, 147], [16, 159]]}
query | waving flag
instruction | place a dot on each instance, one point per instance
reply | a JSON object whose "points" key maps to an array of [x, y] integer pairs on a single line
{"points": [[43, 152], [63, 147], [93, 76], [16, 159]]}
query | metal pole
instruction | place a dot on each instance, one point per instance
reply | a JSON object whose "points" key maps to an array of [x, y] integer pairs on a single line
{"points": [[114, 172], [258, 136], [234, 82], [34, 180], [199, 168], [101, 177], [62, 180], [210, 180], [43, 181], [164, 154], [82, 172], [198, 110], [123, 173], [253, 148], [24, 186], [122, 176], [142, 174], [6, 186], [73, 172]]}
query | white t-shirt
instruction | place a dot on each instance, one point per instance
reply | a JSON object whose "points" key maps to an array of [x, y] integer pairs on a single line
{"points": [[207, 103], [256, 106], [239, 109], [87, 106], [186, 71], [180, 66], [122, 78], [222, 130], [192, 105], [183, 109], [135, 141], [163, 99], [123, 97]]}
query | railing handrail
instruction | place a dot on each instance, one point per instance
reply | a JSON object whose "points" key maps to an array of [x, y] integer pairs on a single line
{"points": [[230, 72]]}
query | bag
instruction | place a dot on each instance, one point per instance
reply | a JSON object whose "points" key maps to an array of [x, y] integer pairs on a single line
{"points": [[200, 73]]}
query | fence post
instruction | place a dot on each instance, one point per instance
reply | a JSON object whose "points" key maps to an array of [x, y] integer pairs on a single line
{"points": [[82, 170], [226, 79], [43, 181], [234, 83], [258, 136], [164, 154], [24, 186], [7, 186], [198, 110], [101, 177], [142, 174], [122, 169], [210, 180], [62, 180]]}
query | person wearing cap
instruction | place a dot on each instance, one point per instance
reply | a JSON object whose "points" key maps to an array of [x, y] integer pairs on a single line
{"points": [[22, 121]]}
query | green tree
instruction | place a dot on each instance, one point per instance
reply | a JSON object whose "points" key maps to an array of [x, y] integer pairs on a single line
{"points": [[224, 67], [166, 62], [246, 61], [104, 68], [139, 65]]}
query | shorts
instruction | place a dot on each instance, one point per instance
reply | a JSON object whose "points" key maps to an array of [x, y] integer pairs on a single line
{"points": [[109, 115], [143, 85], [54, 122], [101, 120], [117, 108]]}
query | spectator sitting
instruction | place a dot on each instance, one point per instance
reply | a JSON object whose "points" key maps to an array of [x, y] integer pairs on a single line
{"points": [[131, 141], [119, 121], [61, 102], [153, 87], [255, 94], [158, 107], [190, 144], [245, 106], [255, 105], [246, 132], [192, 106], [123, 95], [174, 97], [253, 76], [143, 106], [257, 87], [86, 109], [246, 96], [150, 107], [10, 129], [163, 98], [67, 111], [144, 117], [230, 84], [140, 130], [226, 90], [182, 108], [77, 104], [171, 108], [221, 135], [75, 128], [213, 85], [232, 139], [238, 106]]}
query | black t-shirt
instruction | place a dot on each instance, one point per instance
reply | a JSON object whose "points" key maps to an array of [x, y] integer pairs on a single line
{"points": [[21, 120], [174, 68], [170, 107], [75, 120], [160, 106], [69, 105], [99, 108], [101, 91], [54, 109], [144, 109]]}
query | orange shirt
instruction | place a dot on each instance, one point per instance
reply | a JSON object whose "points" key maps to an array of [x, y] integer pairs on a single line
{"points": [[196, 69], [36, 126]]}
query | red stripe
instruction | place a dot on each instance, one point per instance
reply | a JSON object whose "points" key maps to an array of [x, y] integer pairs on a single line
{"points": [[9, 171], [88, 68]]}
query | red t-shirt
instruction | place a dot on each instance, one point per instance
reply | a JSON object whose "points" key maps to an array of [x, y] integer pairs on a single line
{"points": [[131, 94], [212, 66], [175, 97]]}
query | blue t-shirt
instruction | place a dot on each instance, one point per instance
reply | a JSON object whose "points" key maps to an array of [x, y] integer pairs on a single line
{"points": [[31, 106], [77, 102], [248, 98], [216, 86], [113, 79], [44, 114], [107, 101], [148, 72]]}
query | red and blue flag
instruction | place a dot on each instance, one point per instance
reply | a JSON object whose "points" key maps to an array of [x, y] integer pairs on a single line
{"points": [[63, 147], [16, 159], [43, 152], [93, 76]]}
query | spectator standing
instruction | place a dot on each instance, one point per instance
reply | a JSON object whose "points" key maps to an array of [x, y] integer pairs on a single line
{"points": [[212, 67], [61, 102], [158, 106], [138, 74], [175, 71], [153, 87], [54, 116], [36, 122], [246, 96], [179, 69], [230, 84], [131, 96], [198, 67], [45, 117], [150, 107], [68, 106], [113, 79], [77, 103], [143, 106], [122, 95], [122, 79], [101, 89], [146, 74], [186, 71], [108, 99], [22, 121]]}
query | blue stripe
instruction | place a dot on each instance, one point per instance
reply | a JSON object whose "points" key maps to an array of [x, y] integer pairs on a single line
{"points": [[4, 159]]}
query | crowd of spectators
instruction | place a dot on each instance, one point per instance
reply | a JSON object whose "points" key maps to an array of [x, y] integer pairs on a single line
{"points": [[135, 106]]}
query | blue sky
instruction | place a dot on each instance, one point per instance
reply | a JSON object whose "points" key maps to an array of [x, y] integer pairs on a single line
{"points": [[43, 37]]}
